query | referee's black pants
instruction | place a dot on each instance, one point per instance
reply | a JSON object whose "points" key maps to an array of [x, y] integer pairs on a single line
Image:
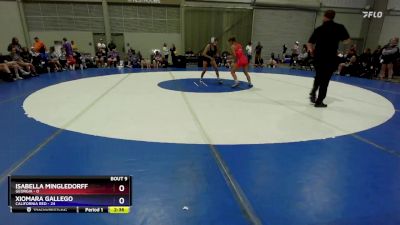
{"points": [[323, 74]]}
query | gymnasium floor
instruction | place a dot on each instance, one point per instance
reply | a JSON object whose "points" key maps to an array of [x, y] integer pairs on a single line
{"points": [[262, 155]]}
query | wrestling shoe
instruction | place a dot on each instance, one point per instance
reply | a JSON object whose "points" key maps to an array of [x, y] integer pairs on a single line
{"points": [[320, 105], [236, 84]]}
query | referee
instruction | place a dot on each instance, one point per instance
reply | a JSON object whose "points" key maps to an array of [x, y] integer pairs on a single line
{"points": [[323, 45]]}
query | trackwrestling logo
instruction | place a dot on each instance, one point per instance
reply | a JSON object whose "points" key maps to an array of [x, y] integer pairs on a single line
{"points": [[372, 14]]}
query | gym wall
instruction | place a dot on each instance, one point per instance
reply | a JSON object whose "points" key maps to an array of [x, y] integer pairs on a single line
{"points": [[394, 5], [353, 4], [273, 28], [52, 21], [203, 23], [390, 29], [145, 42], [351, 20], [391, 23], [143, 27], [10, 24], [146, 27]]}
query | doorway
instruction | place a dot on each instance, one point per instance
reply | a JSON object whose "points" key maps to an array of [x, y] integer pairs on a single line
{"points": [[119, 41]]}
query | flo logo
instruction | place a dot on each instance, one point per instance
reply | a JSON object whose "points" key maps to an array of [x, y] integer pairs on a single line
{"points": [[372, 14]]}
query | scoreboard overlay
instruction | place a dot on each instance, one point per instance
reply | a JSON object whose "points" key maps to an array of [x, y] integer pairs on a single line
{"points": [[70, 194]]}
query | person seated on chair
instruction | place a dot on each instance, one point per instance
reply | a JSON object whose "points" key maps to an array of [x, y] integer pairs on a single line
{"points": [[303, 57], [7, 60], [376, 60], [158, 60], [5, 72], [129, 57], [100, 58], [63, 59], [259, 61], [135, 60], [365, 61], [27, 56], [113, 58], [295, 53], [18, 59], [54, 60], [145, 62], [349, 68], [272, 62], [189, 52]]}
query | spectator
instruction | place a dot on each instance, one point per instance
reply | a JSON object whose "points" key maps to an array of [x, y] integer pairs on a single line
{"points": [[5, 69], [133, 59], [39, 61], [376, 64], [83, 59], [284, 50], [100, 57], [173, 54], [39, 53], [101, 46], [54, 60], [26, 55], [189, 52], [226, 59], [366, 57], [129, 57], [351, 52], [390, 53], [39, 46], [272, 62], [303, 54], [158, 61], [350, 68], [304, 58], [365, 61], [165, 51], [17, 58], [13, 65], [69, 53], [78, 59], [258, 59], [249, 51], [144, 62], [295, 53], [63, 59], [15, 44], [112, 58]]}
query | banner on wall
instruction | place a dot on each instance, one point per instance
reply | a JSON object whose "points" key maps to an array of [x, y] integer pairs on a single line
{"points": [[156, 2], [145, 1], [151, 2]]}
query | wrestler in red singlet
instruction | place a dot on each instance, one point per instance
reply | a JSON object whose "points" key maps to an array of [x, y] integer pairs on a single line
{"points": [[241, 58], [241, 61]]}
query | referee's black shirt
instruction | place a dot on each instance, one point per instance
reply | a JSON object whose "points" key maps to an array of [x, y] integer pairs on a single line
{"points": [[326, 39]]}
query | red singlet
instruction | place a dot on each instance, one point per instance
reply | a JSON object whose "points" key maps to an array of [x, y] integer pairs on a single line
{"points": [[241, 58]]}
